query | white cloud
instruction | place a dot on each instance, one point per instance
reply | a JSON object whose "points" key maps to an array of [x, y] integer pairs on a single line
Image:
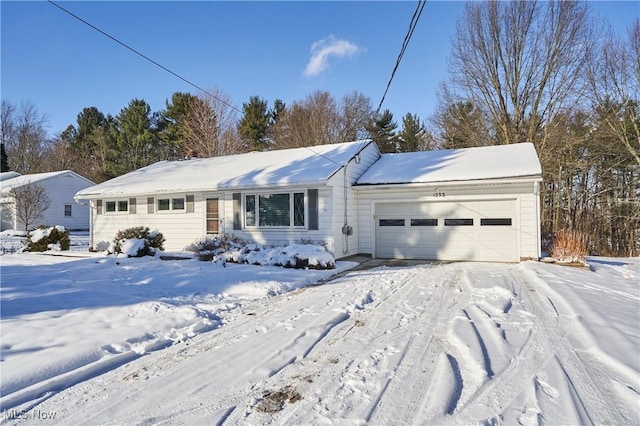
{"points": [[323, 49]]}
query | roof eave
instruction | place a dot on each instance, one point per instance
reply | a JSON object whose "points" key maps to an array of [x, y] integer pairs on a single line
{"points": [[489, 181]]}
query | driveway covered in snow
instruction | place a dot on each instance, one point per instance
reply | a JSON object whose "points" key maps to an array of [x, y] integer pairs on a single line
{"points": [[455, 343]]}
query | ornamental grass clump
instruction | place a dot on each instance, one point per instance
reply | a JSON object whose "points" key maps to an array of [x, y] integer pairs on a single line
{"points": [[570, 246]]}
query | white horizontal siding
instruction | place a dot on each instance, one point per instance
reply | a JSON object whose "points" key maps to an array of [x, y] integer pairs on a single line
{"points": [[530, 238], [61, 190]]}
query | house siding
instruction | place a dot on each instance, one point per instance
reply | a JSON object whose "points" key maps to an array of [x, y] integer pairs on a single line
{"points": [[521, 192], [61, 190]]}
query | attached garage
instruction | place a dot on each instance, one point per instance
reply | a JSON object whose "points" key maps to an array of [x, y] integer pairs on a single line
{"points": [[475, 204], [464, 230]]}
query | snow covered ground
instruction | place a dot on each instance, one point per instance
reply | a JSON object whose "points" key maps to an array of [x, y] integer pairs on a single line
{"points": [[99, 340]]}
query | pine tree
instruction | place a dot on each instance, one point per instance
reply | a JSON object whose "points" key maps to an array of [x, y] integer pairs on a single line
{"points": [[4, 160], [410, 137], [382, 131], [254, 124]]}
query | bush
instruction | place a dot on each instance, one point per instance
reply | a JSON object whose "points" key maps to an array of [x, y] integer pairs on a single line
{"points": [[299, 256], [137, 242], [48, 238], [569, 246], [208, 249]]}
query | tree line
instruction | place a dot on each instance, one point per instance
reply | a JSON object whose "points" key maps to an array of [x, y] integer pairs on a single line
{"points": [[543, 72]]}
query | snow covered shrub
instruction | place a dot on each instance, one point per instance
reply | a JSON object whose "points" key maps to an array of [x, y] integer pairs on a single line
{"points": [[137, 242], [209, 248], [300, 256], [48, 238], [569, 246]]}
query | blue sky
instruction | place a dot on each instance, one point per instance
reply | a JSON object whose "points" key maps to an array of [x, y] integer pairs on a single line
{"points": [[241, 48]]}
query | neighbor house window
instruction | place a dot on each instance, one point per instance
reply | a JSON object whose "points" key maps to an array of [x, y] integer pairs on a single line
{"points": [[67, 210], [170, 204], [120, 206], [275, 210]]}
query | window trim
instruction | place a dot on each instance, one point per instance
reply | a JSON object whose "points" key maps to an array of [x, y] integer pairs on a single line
{"points": [[256, 209], [117, 203], [171, 200]]}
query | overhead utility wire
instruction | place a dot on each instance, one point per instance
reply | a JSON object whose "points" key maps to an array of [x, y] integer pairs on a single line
{"points": [[142, 55], [405, 43]]}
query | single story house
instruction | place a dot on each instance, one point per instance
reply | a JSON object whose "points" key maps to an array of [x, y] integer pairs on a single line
{"points": [[464, 204], [60, 187]]}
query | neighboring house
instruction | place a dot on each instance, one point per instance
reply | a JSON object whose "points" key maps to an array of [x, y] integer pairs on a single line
{"points": [[465, 204], [60, 187]]}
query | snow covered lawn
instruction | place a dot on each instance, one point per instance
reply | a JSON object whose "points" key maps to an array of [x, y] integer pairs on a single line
{"points": [[143, 341]]}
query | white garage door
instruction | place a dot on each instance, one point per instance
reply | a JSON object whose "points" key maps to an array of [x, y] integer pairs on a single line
{"points": [[469, 230]]}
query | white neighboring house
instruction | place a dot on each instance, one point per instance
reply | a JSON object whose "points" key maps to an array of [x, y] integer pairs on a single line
{"points": [[465, 204], [60, 187]]}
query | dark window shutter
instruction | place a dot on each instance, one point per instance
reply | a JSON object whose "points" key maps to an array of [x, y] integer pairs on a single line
{"points": [[98, 206], [237, 210], [190, 207], [313, 209], [150, 202], [132, 206]]}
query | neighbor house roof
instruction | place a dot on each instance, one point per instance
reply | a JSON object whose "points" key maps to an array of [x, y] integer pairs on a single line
{"points": [[21, 180], [488, 162], [298, 166], [8, 175]]}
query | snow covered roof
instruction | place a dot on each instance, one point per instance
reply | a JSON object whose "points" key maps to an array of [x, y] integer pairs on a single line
{"points": [[21, 180], [488, 162], [8, 175], [297, 166]]}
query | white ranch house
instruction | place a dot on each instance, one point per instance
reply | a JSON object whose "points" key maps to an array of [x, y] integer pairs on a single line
{"points": [[60, 187], [467, 204]]}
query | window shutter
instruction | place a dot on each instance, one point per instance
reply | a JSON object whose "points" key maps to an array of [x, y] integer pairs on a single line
{"points": [[98, 206], [190, 207], [150, 202], [313, 209], [132, 206], [237, 210]]}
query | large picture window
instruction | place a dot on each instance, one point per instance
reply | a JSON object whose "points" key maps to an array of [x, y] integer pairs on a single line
{"points": [[275, 210]]}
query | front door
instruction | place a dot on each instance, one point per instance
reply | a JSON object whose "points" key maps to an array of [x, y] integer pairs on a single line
{"points": [[213, 222]]}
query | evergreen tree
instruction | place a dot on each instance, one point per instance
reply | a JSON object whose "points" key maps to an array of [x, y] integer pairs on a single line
{"points": [[254, 124], [410, 137], [4, 160], [382, 131], [171, 123], [136, 139]]}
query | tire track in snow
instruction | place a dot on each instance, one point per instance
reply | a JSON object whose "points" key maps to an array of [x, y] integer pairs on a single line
{"points": [[545, 342]]}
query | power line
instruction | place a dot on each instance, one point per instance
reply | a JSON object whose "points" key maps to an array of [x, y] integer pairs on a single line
{"points": [[405, 43], [143, 56]]}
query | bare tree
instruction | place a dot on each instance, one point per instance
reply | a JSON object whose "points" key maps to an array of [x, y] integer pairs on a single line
{"points": [[24, 136], [31, 201], [521, 62], [615, 84], [208, 127]]}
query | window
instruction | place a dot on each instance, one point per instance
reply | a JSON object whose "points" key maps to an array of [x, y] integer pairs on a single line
{"points": [[458, 222], [424, 222], [170, 204], [120, 206], [67, 210], [391, 222], [496, 222], [275, 210]]}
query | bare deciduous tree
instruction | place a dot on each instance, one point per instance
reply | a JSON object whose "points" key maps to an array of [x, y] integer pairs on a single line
{"points": [[24, 137], [521, 62], [31, 201], [208, 127], [615, 84]]}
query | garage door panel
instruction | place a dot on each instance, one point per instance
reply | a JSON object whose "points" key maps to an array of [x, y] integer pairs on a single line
{"points": [[467, 230]]}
